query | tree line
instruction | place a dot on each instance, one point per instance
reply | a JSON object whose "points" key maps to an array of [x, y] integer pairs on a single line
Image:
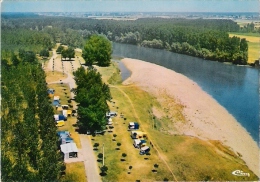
{"points": [[203, 38], [29, 148]]}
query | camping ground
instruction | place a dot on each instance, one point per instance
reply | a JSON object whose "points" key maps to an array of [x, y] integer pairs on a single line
{"points": [[178, 157]]}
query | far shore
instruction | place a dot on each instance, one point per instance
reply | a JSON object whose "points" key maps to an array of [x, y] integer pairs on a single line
{"points": [[206, 118]]}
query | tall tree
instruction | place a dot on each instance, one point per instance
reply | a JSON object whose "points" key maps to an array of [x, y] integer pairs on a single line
{"points": [[92, 95], [98, 50]]}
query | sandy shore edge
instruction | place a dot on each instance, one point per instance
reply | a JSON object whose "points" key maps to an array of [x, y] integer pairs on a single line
{"points": [[209, 120]]}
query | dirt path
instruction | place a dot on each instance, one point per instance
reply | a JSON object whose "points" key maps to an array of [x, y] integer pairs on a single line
{"points": [[136, 116], [87, 153]]}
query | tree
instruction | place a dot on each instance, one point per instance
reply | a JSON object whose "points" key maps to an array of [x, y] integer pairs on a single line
{"points": [[60, 49], [114, 137], [130, 168], [28, 115], [70, 53], [104, 169], [118, 145], [155, 167], [98, 50], [96, 146], [27, 56], [92, 96], [124, 156], [45, 53], [100, 157]]}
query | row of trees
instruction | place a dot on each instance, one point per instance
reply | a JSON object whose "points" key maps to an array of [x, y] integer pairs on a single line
{"points": [[29, 150], [187, 36], [92, 96]]}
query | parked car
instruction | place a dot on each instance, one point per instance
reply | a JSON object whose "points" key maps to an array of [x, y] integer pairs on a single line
{"points": [[133, 126], [144, 150], [95, 132], [111, 114], [139, 143]]}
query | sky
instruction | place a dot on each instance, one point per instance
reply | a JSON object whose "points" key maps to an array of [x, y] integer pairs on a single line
{"points": [[130, 6]]}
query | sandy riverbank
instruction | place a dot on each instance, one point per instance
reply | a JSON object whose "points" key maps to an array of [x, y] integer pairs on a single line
{"points": [[205, 117]]}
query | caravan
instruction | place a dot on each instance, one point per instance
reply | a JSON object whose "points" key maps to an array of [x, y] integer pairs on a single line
{"points": [[139, 143], [111, 114], [137, 134], [133, 126], [144, 150]]}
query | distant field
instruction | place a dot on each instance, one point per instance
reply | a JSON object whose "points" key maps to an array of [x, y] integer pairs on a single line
{"points": [[253, 44], [243, 23], [248, 36]]}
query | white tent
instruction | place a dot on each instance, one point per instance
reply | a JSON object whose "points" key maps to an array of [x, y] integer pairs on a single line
{"points": [[56, 117], [56, 98], [68, 148], [65, 113], [109, 122]]}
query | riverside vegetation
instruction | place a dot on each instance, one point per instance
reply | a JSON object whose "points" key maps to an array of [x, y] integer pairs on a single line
{"points": [[208, 39]]}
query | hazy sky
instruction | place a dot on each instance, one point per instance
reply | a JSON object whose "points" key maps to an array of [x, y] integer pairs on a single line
{"points": [[131, 6]]}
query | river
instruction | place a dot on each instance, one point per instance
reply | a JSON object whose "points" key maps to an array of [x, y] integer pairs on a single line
{"points": [[235, 87]]}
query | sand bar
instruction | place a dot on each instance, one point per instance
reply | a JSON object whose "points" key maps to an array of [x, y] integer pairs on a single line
{"points": [[209, 120]]}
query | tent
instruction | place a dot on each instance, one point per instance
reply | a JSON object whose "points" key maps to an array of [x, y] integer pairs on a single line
{"points": [[109, 121], [56, 117], [69, 149], [56, 97], [55, 102], [65, 132], [59, 117], [62, 117], [60, 123], [66, 140], [50, 91], [59, 108], [137, 134], [69, 112], [66, 113]]}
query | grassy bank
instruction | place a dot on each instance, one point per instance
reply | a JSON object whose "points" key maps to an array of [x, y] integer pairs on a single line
{"points": [[188, 158]]}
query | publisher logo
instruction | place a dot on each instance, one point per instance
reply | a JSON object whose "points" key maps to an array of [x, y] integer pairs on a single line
{"points": [[240, 173]]}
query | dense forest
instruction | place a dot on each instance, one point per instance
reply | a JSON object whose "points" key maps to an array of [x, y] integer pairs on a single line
{"points": [[29, 148], [203, 38]]}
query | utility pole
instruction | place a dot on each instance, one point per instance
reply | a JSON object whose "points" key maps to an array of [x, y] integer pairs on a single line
{"points": [[103, 155]]}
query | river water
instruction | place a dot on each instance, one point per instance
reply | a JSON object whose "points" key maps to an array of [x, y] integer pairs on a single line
{"points": [[235, 87]]}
